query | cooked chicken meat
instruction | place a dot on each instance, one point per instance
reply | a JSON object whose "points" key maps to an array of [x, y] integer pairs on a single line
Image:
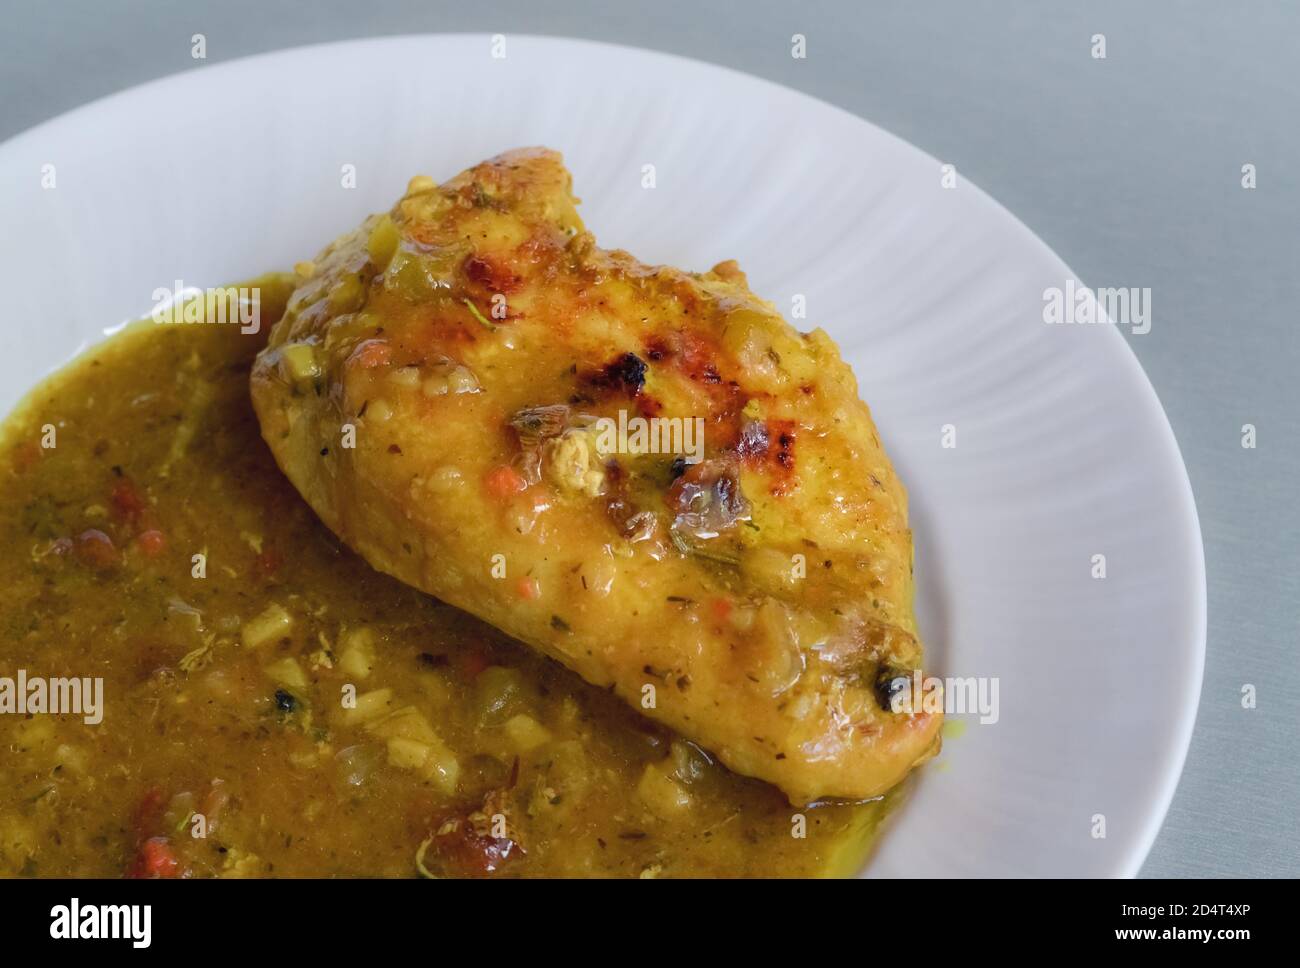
{"points": [[644, 473]]}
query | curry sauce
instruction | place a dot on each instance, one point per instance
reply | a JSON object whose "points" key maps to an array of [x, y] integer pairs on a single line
{"points": [[272, 706]]}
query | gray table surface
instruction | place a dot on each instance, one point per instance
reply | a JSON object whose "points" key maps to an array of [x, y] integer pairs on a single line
{"points": [[1129, 167]]}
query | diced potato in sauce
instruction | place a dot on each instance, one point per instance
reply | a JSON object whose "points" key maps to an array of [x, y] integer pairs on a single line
{"points": [[271, 625]]}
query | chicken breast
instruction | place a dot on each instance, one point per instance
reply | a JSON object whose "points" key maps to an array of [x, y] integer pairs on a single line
{"points": [[644, 473]]}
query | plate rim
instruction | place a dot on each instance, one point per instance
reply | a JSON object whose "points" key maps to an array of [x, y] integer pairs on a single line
{"points": [[1175, 757]]}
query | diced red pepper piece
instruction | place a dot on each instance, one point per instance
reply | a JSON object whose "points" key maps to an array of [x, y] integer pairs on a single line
{"points": [[151, 543], [720, 608], [472, 662], [95, 548], [155, 859], [504, 481], [128, 503]]}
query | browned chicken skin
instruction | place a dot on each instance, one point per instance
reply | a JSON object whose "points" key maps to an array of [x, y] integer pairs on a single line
{"points": [[644, 473]]}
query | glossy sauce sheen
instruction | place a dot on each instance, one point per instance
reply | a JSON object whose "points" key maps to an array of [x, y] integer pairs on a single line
{"points": [[223, 695]]}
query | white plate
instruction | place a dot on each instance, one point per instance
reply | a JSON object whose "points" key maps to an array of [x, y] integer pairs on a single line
{"points": [[935, 295]]}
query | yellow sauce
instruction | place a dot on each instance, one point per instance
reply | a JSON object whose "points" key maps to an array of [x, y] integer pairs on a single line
{"points": [[156, 546]]}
